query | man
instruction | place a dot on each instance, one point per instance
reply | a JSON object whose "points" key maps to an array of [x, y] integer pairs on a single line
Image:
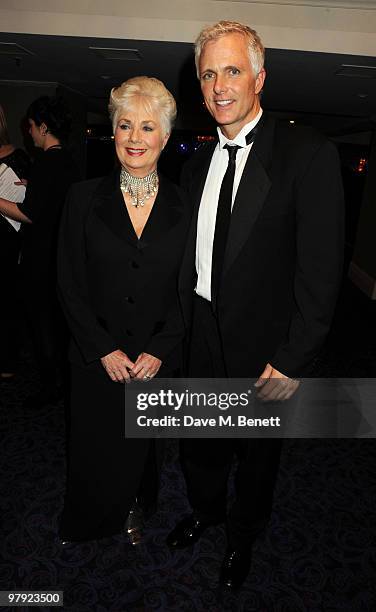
{"points": [[264, 260]]}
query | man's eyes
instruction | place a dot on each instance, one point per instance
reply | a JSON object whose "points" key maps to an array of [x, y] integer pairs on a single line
{"points": [[210, 75]]}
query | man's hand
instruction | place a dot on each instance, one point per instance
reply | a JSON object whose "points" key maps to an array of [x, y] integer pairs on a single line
{"points": [[146, 367], [117, 365], [275, 386]]}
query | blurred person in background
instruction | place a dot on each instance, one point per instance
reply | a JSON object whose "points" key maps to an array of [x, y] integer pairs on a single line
{"points": [[19, 162], [52, 174]]}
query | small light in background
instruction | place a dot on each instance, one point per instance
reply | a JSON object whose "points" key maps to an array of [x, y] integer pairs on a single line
{"points": [[183, 147], [362, 165], [206, 138], [292, 121]]}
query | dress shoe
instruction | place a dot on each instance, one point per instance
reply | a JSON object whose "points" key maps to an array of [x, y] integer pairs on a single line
{"points": [[135, 524], [7, 377], [66, 543], [187, 532], [235, 568]]}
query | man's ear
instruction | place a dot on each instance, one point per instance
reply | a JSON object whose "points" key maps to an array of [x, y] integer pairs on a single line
{"points": [[260, 80]]}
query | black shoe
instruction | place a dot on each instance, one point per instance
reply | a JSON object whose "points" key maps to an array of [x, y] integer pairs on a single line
{"points": [[187, 532], [135, 524], [7, 377], [235, 568], [66, 543]]}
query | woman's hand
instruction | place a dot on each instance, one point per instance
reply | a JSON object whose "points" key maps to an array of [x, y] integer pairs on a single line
{"points": [[117, 365], [146, 367]]}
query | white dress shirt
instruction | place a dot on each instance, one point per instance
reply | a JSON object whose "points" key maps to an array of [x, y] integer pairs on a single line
{"points": [[209, 202]]}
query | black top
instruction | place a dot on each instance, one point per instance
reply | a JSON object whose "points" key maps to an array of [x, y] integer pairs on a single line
{"points": [[19, 162], [118, 291], [51, 176]]}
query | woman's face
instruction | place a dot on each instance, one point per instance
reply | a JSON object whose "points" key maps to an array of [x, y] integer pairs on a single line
{"points": [[139, 138], [36, 133]]}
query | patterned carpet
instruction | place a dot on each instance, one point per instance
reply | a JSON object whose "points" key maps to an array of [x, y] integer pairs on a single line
{"points": [[318, 555]]}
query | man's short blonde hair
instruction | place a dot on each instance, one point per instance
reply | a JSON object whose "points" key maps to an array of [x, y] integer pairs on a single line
{"points": [[155, 95], [213, 32]]}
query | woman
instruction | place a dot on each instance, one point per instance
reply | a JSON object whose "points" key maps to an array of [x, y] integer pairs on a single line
{"points": [[9, 253], [120, 249], [51, 176]]}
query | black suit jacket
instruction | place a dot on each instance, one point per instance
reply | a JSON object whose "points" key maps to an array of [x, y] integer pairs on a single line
{"points": [[118, 291], [283, 261]]}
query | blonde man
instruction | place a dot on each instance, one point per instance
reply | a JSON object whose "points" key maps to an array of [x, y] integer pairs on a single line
{"points": [[263, 264]]}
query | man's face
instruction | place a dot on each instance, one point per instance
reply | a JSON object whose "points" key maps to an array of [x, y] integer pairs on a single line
{"points": [[228, 83]]}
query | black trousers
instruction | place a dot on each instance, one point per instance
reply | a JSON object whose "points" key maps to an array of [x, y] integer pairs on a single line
{"points": [[46, 324], [9, 303], [106, 471], [207, 462]]}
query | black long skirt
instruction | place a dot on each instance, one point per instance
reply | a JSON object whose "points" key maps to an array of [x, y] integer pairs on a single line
{"points": [[105, 470]]}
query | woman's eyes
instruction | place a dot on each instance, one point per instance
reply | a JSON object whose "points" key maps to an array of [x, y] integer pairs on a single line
{"points": [[126, 126]]}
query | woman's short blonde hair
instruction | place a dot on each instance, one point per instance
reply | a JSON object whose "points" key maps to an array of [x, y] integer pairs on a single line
{"points": [[155, 95], [213, 32]]}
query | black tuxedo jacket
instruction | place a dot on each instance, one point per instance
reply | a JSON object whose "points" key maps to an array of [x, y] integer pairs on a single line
{"points": [[118, 291], [283, 260]]}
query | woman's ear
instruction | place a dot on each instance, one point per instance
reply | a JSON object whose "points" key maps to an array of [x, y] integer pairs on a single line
{"points": [[165, 139]]}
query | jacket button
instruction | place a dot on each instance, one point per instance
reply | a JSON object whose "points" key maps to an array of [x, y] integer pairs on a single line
{"points": [[129, 299], [134, 265]]}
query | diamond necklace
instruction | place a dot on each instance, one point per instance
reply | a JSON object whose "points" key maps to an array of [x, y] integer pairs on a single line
{"points": [[139, 189]]}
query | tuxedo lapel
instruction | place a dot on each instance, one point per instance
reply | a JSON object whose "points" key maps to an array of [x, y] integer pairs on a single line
{"points": [[110, 208], [252, 192], [165, 214]]}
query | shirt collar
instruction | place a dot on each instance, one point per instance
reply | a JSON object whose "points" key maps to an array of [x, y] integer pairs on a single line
{"points": [[239, 138]]}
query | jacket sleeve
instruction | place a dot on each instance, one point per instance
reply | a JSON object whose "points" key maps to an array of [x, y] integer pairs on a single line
{"points": [[165, 341], [91, 338], [319, 261]]}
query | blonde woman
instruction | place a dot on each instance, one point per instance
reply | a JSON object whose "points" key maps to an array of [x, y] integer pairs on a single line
{"points": [[120, 250]]}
